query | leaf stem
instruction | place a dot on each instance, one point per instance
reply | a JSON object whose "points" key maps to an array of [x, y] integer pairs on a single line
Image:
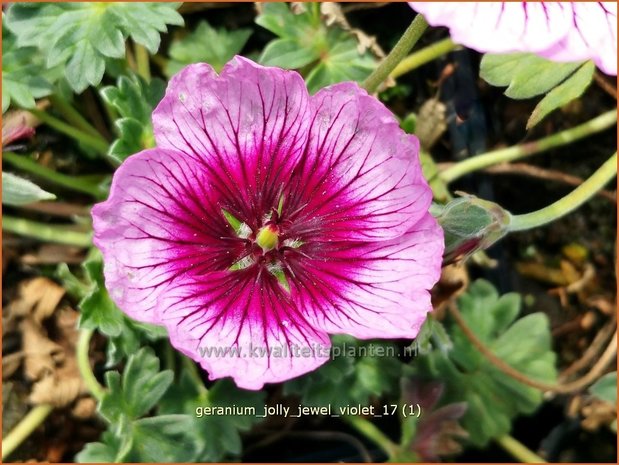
{"points": [[370, 431], [423, 56], [397, 54], [70, 182], [25, 428], [83, 363], [593, 126], [518, 450], [45, 232], [570, 202], [97, 143], [142, 61], [73, 116]]}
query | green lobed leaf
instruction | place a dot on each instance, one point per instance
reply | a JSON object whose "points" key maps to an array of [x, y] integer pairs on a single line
{"points": [[138, 390], [527, 75], [326, 54], [82, 36], [23, 79], [346, 379], [19, 191], [134, 100], [215, 436], [206, 45], [494, 399]]}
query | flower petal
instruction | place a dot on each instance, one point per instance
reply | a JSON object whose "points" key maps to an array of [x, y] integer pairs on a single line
{"points": [[373, 289], [241, 324], [249, 125], [360, 178], [561, 31], [156, 225]]}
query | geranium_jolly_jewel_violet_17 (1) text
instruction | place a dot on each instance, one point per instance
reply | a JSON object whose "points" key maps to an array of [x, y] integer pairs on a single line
{"points": [[267, 219]]}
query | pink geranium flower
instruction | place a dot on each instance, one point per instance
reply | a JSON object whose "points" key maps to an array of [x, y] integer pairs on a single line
{"points": [[267, 219], [560, 31]]}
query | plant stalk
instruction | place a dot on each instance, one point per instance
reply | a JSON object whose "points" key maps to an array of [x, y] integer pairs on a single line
{"points": [[70, 182], [97, 143], [25, 428], [45, 232], [83, 363], [142, 61], [73, 116], [423, 56], [593, 126], [570, 202], [518, 450], [370, 431], [397, 54]]}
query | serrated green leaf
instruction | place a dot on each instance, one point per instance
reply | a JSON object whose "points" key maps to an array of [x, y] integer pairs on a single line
{"points": [[206, 45], [327, 54], [138, 390], [81, 36], [22, 73], [605, 388], [105, 451], [97, 310], [133, 336], [162, 439], [19, 191], [494, 399], [527, 75], [134, 99], [215, 436], [570, 89]]}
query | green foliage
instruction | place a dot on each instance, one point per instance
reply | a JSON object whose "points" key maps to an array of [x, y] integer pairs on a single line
{"points": [[214, 436], [134, 100], [130, 438], [348, 380], [325, 54], [19, 191], [527, 75], [82, 36], [208, 45], [22, 73], [605, 388], [493, 398]]}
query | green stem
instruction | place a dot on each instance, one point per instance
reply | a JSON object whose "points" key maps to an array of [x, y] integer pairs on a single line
{"points": [[96, 143], [518, 450], [423, 56], [190, 366], [570, 202], [142, 61], [24, 428], [45, 232], [397, 54], [73, 116], [593, 126], [83, 363], [370, 431], [70, 182]]}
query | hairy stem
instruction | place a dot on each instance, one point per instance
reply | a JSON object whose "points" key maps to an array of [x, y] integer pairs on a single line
{"points": [[370, 431], [45, 232], [83, 363], [593, 126], [518, 450], [70, 182], [570, 202], [423, 56], [397, 54], [97, 143], [24, 428]]}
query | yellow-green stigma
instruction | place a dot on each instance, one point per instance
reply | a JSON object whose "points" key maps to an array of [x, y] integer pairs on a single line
{"points": [[267, 238]]}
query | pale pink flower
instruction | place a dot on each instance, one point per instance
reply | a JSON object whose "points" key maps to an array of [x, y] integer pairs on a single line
{"points": [[560, 31]]}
